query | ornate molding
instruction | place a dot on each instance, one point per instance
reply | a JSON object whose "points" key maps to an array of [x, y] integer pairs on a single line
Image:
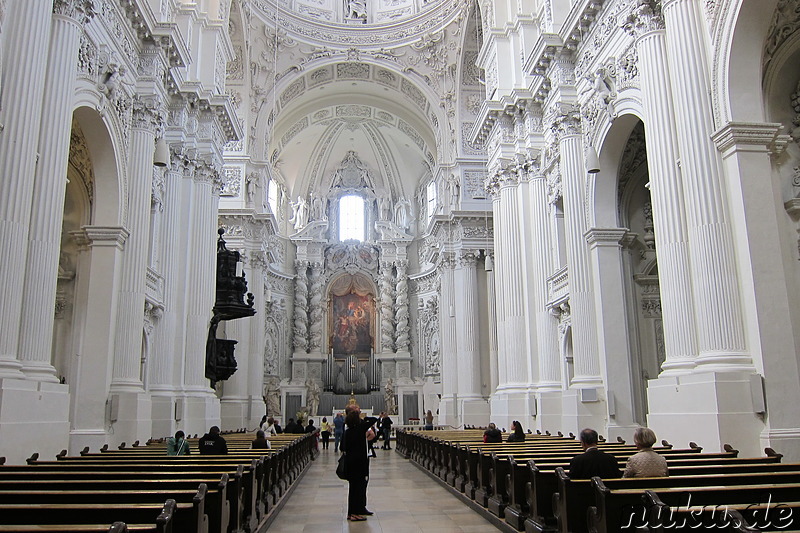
{"points": [[738, 135], [81, 11], [645, 17]]}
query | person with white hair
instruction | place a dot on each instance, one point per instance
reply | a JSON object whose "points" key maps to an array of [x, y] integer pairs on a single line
{"points": [[647, 462]]}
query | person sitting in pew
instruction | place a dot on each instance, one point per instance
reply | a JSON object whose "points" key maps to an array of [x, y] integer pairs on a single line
{"points": [[518, 435], [492, 434], [646, 463], [593, 462], [177, 445], [269, 428], [260, 442], [291, 427], [212, 443]]}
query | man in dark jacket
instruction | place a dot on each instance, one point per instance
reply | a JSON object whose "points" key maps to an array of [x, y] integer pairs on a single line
{"points": [[385, 425], [212, 443], [492, 434], [291, 427], [593, 462]]}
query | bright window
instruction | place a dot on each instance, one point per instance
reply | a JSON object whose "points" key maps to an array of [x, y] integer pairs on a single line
{"points": [[351, 218], [272, 196], [430, 194]]}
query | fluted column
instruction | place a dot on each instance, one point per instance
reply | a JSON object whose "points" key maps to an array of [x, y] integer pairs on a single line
{"points": [[49, 190], [511, 308], [387, 308], [165, 344], [500, 282], [315, 307], [581, 299], [301, 307], [402, 339], [666, 191], [447, 324], [467, 326], [26, 34], [715, 283], [549, 378], [128, 341], [202, 269]]}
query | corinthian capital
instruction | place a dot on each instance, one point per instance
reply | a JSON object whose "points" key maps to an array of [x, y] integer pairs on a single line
{"points": [[566, 121], [145, 115], [81, 11], [645, 17], [505, 177]]}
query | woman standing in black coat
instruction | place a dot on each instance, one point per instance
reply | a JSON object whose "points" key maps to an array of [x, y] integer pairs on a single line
{"points": [[354, 445]]}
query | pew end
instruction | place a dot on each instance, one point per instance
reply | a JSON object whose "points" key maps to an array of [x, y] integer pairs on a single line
{"points": [[730, 449], [620, 439], [769, 452], [33, 458], [85, 451]]}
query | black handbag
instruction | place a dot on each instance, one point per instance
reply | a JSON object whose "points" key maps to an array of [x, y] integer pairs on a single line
{"points": [[341, 468]]}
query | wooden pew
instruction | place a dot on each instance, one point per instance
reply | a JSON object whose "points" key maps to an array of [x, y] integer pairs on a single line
{"points": [[616, 508]]}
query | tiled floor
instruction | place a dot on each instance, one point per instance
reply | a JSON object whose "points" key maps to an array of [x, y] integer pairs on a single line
{"points": [[403, 498]]}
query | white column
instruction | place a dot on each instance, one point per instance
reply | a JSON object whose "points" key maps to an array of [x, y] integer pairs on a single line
{"points": [[128, 345], [49, 189], [26, 35], [448, 407], [715, 282], [581, 298], [164, 368], [301, 307], [202, 275], [500, 280], [666, 192], [467, 326], [549, 378]]}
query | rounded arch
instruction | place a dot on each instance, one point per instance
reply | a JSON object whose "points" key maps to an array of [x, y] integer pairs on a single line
{"points": [[738, 62], [604, 209], [107, 167]]}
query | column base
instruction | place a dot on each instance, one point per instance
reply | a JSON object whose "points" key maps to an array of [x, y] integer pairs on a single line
{"points": [[241, 412], [40, 371], [10, 368], [448, 411], [583, 408], [548, 417], [475, 411], [34, 417], [511, 404], [132, 411], [201, 411], [709, 408]]}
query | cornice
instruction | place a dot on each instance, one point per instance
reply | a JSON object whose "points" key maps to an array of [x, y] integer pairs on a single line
{"points": [[741, 135]]}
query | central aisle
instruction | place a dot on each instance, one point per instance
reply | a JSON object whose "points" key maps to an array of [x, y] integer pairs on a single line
{"points": [[403, 498]]}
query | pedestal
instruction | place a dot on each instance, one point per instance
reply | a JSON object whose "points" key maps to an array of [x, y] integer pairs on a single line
{"points": [[583, 408], [132, 412], [34, 417], [709, 408]]}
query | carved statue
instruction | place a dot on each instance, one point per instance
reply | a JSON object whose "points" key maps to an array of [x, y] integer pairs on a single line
{"points": [[251, 185], [390, 400], [356, 9], [317, 208], [402, 213], [384, 208], [312, 397], [299, 213], [453, 192], [272, 396]]}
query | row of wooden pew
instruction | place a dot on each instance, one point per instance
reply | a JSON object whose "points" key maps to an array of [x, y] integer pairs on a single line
{"points": [[141, 489], [527, 485]]}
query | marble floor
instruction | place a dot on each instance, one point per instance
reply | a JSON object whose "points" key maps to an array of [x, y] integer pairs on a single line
{"points": [[403, 498]]}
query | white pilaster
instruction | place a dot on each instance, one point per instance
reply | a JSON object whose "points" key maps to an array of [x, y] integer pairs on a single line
{"points": [[448, 408], [666, 192], [491, 304], [26, 35], [474, 407], [715, 283], [612, 333], [49, 189]]}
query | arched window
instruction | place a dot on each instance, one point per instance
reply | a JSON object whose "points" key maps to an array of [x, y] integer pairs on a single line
{"points": [[272, 196], [430, 194], [351, 217]]}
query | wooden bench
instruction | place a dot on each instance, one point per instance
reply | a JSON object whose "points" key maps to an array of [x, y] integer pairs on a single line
{"points": [[618, 509]]}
